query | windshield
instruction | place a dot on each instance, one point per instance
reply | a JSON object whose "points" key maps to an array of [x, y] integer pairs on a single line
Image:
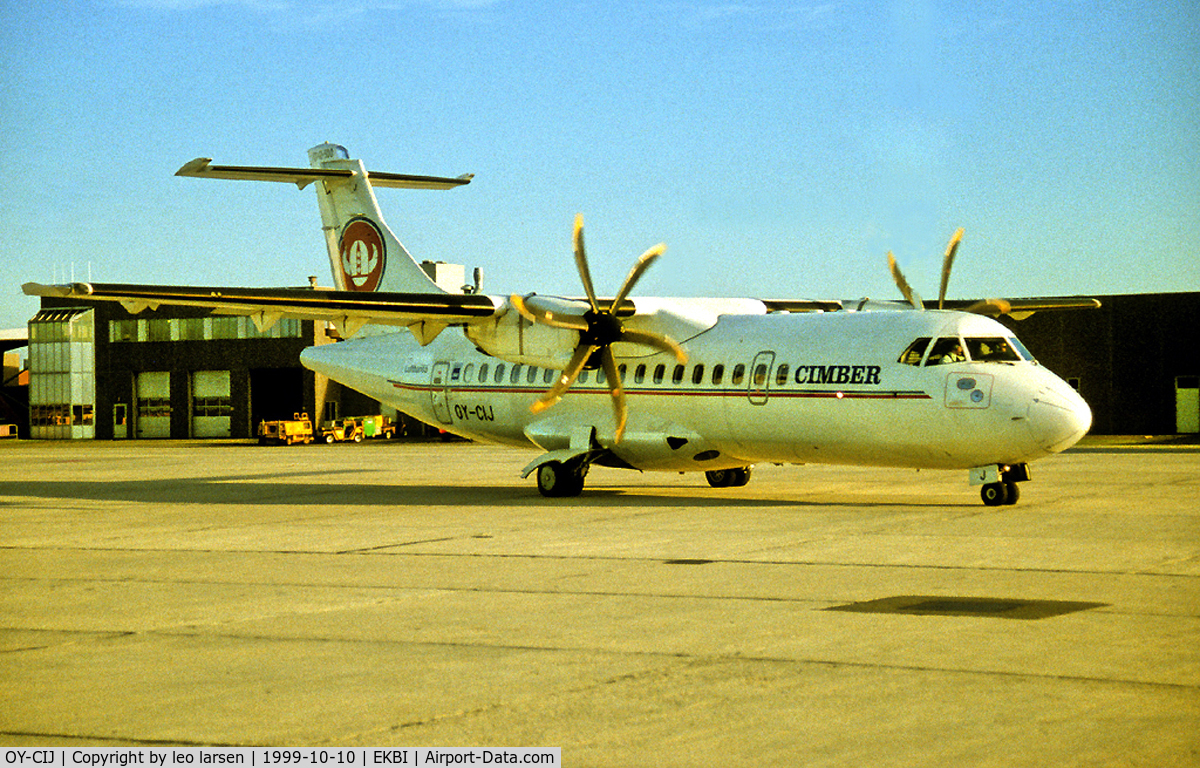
{"points": [[947, 349], [992, 350]]}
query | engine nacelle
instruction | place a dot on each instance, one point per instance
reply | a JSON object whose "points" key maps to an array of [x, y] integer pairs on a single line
{"points": [[513, 337]]}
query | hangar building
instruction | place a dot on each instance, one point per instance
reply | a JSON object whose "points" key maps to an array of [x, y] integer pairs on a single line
{"points": [[1136, 360]]}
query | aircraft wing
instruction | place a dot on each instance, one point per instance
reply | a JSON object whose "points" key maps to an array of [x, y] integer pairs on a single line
{"points": [[1019, 309], [425, 314]]}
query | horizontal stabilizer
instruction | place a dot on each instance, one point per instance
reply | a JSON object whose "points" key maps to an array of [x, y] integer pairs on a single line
{"points": [[203, 168]]}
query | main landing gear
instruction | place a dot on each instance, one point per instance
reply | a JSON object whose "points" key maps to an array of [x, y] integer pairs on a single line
{"points": [[728, 478], [561, 478], [1000, 483]]}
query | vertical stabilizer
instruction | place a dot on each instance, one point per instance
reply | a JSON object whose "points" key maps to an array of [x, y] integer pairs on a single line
{"points": [[364, 254]]}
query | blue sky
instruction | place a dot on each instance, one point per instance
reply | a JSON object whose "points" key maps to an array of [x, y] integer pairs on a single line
{"points": [[779, 149]]}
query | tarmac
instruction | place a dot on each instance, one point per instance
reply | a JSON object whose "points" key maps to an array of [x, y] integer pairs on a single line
{"points": [[422, 594]]}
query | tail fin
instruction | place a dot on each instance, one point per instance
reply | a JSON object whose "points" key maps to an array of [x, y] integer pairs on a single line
{"points": [[364, 254]]}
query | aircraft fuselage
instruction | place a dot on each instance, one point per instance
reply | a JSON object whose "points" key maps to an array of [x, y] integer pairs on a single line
{"points": [[821, 387]]}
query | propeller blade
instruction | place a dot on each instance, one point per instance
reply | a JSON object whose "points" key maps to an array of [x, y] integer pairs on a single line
{"points": [[643, 263], [546, 316], [905, 289], [613, 376], [581, 263], [990, 307], [947, 262], [565, 379], [656, 340]]}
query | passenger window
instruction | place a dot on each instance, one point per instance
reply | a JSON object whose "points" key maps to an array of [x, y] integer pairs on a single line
{"points": [[601, 376], [639, 374], [499, 373], [583, 376], [718, 374], [659, 371], [781, 375], [532, 377], [915, 351], [698, 374], [677, 376], [621, 371], [468, 372], [946, 350], [515, 377], [760, 375], [739, 373], [483, 369], [992, 350], [549, 376]]}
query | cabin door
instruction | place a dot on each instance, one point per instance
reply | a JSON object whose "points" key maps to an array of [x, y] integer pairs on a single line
{"points": [[440, 391], [758, 387]]}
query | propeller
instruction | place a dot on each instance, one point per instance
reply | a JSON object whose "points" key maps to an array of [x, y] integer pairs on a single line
{"points": [[598, 327], [947, 262]]}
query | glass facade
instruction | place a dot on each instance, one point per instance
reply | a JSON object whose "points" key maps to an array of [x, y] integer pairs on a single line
{"points": [[62, 367], [199, 329]]}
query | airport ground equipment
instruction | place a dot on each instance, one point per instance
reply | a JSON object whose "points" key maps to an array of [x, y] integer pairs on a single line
{"points": [[297, 429]]}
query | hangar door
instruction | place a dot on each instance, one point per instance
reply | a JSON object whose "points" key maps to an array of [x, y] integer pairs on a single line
{"points": [[211, 404], [154, 404], [1187, 404]]}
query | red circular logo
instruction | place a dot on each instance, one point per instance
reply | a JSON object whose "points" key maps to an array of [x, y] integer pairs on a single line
{"points": [[363, 256]]}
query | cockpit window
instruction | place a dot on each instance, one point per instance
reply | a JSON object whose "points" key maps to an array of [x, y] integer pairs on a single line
{"points": [[992, 350], [1025, 353], [915, 351], [947, 349]]}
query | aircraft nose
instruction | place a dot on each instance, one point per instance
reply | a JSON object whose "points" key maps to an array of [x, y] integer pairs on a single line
{"points": [[1058, 417]]}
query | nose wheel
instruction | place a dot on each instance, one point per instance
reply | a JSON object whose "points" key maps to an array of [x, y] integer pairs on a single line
{"points": [[999, 494], [999, 482]]}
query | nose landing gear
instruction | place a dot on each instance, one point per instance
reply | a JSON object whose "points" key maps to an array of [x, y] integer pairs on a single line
{"points": [[1000, 482], [996, 494]]}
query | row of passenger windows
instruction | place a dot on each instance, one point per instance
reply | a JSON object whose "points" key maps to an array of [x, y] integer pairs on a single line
{"points": [[950, 349], [642, 374]]}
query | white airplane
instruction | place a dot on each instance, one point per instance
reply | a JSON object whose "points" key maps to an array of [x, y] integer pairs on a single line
{"points": [[667, 384]]}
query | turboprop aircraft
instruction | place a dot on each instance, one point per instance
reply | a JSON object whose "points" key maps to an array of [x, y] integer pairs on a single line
{"points": [[711, 385]]}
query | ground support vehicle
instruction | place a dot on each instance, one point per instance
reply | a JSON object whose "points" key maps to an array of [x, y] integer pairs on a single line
{"points": [[298, 429], [342, 430]]}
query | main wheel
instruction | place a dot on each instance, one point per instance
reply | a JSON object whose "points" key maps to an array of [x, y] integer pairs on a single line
{"points": [[994, 494], [740, 476], [719, 478], [556, 479]]}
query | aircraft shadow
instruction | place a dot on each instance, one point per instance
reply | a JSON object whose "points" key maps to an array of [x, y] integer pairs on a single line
{"points": [[255, 490]]}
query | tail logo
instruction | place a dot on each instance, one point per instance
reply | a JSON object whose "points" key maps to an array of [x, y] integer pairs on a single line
{"points": [[363, 255]]}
